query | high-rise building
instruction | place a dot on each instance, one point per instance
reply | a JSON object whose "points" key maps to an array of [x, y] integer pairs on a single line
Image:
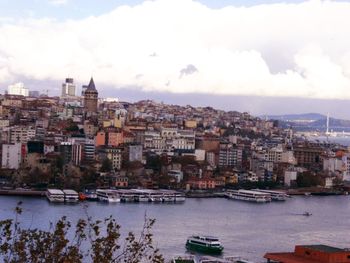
{"points": [[90, 98], [68, 88], [18, 89]]}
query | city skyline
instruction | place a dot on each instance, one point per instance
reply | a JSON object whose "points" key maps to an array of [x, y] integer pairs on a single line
{"points": [[197, 50]]}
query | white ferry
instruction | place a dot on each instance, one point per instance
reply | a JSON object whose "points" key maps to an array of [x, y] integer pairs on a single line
{"points": [[143, 198], [107, 195], [248, 195], [55, 195], [275, 195], [70, 196], [156, 198], [167, 198], [180, 197]]}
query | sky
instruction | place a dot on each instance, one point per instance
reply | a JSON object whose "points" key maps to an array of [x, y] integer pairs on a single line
{"points": [[261, 56]]}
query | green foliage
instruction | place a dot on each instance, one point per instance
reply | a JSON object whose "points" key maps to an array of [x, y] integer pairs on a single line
{"points": [[106, 165], [307, 179], [19, 245]]}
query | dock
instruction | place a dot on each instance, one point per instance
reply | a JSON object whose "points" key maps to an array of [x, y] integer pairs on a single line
{"points": [[22, 192]]}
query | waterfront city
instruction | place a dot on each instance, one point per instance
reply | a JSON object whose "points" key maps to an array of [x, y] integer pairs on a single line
{"points": [[163, 131]]}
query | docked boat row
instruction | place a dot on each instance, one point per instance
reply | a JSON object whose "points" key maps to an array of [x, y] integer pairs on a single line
{"points": [[115, 196], [62, 196], [256, 195], [140, 195]]}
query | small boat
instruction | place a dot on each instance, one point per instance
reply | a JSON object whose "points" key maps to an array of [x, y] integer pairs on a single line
{"points": [[82, 197], [90, 195], [204, 244], [307, 214]]}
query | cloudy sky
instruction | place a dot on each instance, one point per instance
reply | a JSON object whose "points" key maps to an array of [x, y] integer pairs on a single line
{"points": [[267, 56]]}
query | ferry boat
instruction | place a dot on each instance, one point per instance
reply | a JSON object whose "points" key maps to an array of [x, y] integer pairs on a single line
{"points": [[90, 195], [55, 195], [168, 198], [275, 195], [180, 197], [248, 195], [156, 198], [70, 196], [107, 195], [142, 198], [205, 244]]}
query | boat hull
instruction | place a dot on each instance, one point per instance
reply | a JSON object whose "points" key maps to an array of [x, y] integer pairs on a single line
{"points": [[204, 249]]}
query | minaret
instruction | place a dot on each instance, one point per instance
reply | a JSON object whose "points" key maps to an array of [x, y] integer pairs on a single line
{"points": [[327, 124], [91, 97]]}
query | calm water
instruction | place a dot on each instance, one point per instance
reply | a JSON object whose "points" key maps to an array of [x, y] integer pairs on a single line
{"points": [[245, 229]]}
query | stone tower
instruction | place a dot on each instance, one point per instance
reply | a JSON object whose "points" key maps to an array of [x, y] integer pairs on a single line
{"points": [[90, 98]]}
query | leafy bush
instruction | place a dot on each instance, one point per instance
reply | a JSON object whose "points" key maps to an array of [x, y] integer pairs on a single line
{"points": [[93, 241]]}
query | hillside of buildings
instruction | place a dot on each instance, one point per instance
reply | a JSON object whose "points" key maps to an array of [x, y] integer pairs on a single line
{"points": [[88, 142]]}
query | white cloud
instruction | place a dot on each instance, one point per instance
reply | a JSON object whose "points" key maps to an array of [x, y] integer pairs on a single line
{"points": [[298, 50], [58, 2]]}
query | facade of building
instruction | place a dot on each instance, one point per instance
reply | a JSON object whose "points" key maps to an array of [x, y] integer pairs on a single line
{"points": [[68, 88], [18, 89], [229, 155], [135, 153], [22, 134], [11, 156], [90, 98]]}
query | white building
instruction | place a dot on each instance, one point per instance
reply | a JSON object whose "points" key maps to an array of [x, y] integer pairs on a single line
{"points": [[135, 153], [68, 88], [11, 156], [289, 177], [18, 89], [22, 134]]}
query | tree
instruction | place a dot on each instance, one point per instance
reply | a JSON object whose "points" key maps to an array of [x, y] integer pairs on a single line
{"points": [[106, 165], [34, 245], [308, 179]]}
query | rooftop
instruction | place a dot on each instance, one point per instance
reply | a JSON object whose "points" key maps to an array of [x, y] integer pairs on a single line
{"points": [[324, 248]]}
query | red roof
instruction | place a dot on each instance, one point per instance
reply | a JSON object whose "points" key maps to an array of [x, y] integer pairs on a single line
{"points": [[288, 258]]}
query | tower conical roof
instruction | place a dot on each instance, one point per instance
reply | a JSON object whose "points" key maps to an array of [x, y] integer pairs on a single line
{"points": [[91, 85]]}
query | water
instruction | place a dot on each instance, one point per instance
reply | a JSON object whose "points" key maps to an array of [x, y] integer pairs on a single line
{"points": [[245, 229], [342, 140]]}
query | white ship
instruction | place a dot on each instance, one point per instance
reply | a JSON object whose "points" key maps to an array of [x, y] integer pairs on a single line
{"points": [[55, 195], [107, 195], [70, 196], [275, 195], [248, 195]]}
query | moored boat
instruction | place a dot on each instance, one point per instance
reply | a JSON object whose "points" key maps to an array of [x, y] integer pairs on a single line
{"points": [[275, 195], [248, 195], [107, 195], [70, 196], [55, 195], [204, 244]]}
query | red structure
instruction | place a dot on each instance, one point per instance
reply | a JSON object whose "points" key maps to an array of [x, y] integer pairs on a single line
{"points": [[311, 254]]}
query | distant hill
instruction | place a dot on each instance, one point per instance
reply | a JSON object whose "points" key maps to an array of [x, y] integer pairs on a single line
{"points": [[296, 117], [310, 122]]}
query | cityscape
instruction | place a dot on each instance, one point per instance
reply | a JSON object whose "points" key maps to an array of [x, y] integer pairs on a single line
{"points": [[190, 131]]}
